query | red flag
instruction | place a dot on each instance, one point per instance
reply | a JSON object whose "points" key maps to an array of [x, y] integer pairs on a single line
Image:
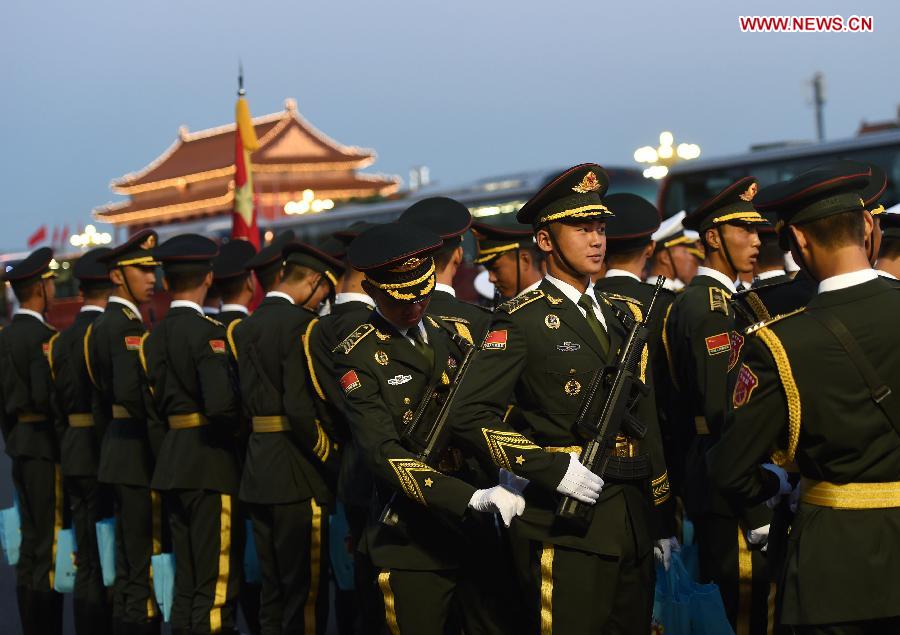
{"points": [[244, 224], [38, 237], [55, 240]]}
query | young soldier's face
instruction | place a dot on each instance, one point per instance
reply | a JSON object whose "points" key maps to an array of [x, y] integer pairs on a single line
{"points": [[743, 246], [141, 281], [502, 272], [583, 245]]}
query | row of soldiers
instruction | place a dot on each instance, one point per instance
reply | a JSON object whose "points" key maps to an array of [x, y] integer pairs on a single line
{"points": [[291, 414]]}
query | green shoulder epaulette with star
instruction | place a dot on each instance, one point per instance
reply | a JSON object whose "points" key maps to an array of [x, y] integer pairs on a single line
{"points": [[514, 304], [213, 320], [353, 339], [452, 318], [759, 325], [718, 300], [621, 298]]}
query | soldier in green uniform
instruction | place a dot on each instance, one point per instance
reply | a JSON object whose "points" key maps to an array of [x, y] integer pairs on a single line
{"points": [[817, 388], [233, 280], [514, 263], [674, 253], [291, 457], [29, 422], [629, 246], [189, 372], [133, 430], [358, 609], [704, 346], [89, 501], [543, 348], [385, 368], [449, 219], [888, 264]]}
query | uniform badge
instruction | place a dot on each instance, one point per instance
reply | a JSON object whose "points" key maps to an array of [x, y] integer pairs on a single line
{"points": [[218, 346], [495, 341], [398, 380], [408, 417], [737, 343], [129, 313], [445, 379], [350, 382], [554, 301], [551, 321], [589, 183], [452, 363], [382, 358], [572, 387], [568, 347], [384, 337], [132, 342], [716, 344], [746, 382]]}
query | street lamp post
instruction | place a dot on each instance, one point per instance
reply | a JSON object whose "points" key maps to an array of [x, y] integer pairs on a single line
{"points": [[662, 157]]}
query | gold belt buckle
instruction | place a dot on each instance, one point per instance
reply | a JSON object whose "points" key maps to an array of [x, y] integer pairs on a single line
{"points": [[81, 420]]}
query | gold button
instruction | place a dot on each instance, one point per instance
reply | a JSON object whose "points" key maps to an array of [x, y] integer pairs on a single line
{"points": [[406, 400], [571, 371]]}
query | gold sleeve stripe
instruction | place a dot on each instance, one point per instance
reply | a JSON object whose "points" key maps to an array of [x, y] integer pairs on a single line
{"points": [[661, 489], [50, 344], [309, 361], [791, 395], [86, 342], [668, 349], [645, 354], [498, 440], [547, 589], [405, 470], [229, 333], [323, 444], [57, 518]]}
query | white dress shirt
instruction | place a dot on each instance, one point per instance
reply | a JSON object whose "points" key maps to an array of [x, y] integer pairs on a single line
{"points": [[186, 304], [280, 294], [446, 288], [621, 273], [574, 295], [886, 274], [130, 305], [235, 307], [34, 314], [90, 307], [343, 298], [717, 275], [765, 275], [844, 280]]}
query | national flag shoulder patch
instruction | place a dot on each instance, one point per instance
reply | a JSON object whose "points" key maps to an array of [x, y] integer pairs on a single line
{"points": [[350, 381], [746, 382], [736, 340], [132, 342], [495, 340], [217, 346], [46, 348], [719, 343]]}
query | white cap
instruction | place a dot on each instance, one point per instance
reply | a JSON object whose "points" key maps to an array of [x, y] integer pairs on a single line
{"points": [[483, 286], [669, 227]]}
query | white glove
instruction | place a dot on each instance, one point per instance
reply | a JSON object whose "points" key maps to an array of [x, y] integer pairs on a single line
{"points": [[500, 500], [794, 500], [579, 482], [662, 550], [759, 536], [513, 483], [784, 486]]}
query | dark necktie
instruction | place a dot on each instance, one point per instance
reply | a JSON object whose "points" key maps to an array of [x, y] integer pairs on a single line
{"points": [[586, 303], [419, 343]]}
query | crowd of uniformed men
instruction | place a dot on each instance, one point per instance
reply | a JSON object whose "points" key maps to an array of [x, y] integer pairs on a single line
{"points": [[772, 402]]}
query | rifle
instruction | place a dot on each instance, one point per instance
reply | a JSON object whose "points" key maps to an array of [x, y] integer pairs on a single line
{"points": [[428, 446], [624, 391]]}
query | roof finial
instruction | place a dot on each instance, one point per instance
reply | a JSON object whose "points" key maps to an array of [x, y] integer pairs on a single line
{"points": [[241, 91]]}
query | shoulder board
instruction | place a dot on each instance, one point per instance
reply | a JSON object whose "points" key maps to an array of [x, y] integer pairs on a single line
{"points": [[516, 303], [718, 300], [130, 314], [621, 298], [759, 325], [353, 339], [452, 318], [213, 320]]}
